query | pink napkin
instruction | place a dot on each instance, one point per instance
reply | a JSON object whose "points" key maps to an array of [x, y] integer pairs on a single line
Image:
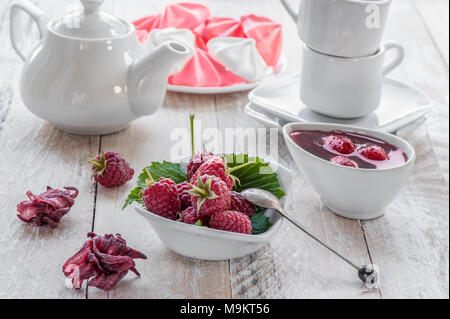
{"points": [[203, 70]]}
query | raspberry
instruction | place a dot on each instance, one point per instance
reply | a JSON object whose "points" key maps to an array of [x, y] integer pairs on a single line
{"points": [[375, 153], [111, 170], [217, 167], [161, 198], [231, 221], [196, 161], [340, 144], [185, 197], [210, 195], [344, 161], [240, 204], [190, 216]]}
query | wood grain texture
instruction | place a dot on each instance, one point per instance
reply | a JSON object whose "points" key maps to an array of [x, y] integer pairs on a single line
{"points": [[286, 268], [423, 68], [414, 230], [410, 243], [435, 15], [165, 274], [34, 155]]}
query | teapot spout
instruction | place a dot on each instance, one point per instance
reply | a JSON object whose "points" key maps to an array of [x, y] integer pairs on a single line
{"points": [[147, 78]]}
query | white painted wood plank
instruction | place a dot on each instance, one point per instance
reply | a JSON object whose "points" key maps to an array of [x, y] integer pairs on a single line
{"points": [[32, 156], [423, 68], [294, 266], [36, 155], [435, 13], [286, 268], [164, 274], [410, 243]]}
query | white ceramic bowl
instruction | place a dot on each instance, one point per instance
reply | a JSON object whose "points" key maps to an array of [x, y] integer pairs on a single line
{"points": [[351, 192], [210, 244]]}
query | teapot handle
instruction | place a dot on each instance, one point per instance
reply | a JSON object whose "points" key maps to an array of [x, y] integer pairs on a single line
{"points": [[16, 33]]}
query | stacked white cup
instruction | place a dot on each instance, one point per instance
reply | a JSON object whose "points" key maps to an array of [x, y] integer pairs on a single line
{"points": [[343, 57]]}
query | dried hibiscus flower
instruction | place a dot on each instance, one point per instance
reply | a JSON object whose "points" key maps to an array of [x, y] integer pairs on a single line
{"points": [[105, 258], [47, 208]]}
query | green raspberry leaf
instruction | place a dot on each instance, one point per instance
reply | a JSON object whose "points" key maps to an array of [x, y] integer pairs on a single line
{"points": [[165, 169], [199, 223], [260, 223], [256, 175], [134, 196]]}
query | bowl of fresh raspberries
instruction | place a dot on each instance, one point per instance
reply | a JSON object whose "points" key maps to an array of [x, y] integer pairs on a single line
{"points": [[196, 208]]}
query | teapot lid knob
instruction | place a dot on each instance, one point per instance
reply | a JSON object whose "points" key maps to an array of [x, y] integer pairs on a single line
{"points": [[90, 23], [91, 6]]}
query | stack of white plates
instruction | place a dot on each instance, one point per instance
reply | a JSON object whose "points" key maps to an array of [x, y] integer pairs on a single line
{"points": [[277, 102]]}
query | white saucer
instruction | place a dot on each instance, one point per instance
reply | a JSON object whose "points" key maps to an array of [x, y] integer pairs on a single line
{"points": [[277, 102], [257, 113], [229, 89]]}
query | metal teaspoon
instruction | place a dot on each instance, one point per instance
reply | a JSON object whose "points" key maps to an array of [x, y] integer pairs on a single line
{"points": [[265, 199]]}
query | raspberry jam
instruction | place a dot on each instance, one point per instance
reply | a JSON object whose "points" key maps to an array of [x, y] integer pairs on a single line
{"points": [[350, 149]]}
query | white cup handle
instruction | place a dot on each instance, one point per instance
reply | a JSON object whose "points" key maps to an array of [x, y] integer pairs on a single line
{"points": [[16, 33], [289, 10], [397, 60]]}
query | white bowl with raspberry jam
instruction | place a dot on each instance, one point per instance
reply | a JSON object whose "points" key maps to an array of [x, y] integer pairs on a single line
{"points": [[357, 172], [211, 244]]}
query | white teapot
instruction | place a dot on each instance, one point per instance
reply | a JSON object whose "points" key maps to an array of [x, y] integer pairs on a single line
{"points": [[89, 74]]}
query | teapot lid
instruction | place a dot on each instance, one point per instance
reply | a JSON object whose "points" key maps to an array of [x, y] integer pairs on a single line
{"points": [[90, 23]]}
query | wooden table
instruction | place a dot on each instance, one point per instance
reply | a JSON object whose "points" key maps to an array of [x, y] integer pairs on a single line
{"points": [[410, 243]]}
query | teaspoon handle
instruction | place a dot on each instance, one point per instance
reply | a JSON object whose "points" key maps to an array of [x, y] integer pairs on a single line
{"points": [[301, 227]]}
